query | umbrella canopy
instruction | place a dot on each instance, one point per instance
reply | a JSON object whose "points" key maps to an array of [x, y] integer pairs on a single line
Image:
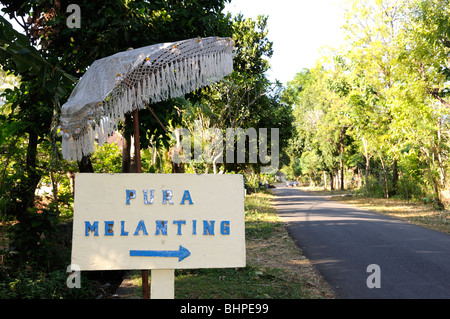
{"points": [[121, 83]]}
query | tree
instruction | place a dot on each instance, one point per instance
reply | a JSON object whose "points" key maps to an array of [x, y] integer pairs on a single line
{"points": [[321, 119], [425, 68], [245, 98], [50, 55], [32, 108], [389, 85], [374, 32], [40, 81]]}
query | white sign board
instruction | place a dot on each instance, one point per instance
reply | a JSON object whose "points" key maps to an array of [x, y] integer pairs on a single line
{"points": [[158, 221]]}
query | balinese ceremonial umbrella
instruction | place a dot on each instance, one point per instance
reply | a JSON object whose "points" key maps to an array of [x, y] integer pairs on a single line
{"points": [[123, 82]]}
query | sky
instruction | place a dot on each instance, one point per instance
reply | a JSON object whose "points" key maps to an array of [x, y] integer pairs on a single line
{"points": [[298, 30]]}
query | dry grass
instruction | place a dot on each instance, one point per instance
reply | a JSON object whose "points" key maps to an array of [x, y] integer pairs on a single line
{"points": [[278, 250], [416, 213], [280, 253]]}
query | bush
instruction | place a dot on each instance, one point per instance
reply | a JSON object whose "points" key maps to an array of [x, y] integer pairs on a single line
{"points": [[35, 238], [27, 283], [107, 159]]}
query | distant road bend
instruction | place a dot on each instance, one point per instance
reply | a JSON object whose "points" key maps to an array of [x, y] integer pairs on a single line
{"points": [[342, 241]]}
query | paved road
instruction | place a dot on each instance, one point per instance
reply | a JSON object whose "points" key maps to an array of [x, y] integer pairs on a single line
{"points": [[342, 241]]}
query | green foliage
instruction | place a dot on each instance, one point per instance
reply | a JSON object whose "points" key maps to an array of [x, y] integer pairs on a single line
{"points": [[107, 159], [252, 46], [27, 283], [48, 57], [383, 97], [253, 282], [245, 98]]}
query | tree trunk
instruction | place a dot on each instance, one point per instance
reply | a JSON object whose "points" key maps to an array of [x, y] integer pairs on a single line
{"points": [[71, 177], [405, 181], [366, 173], [359, 178], [341, 157], [338, 178], [54, 187], [394, 177], [430, 173], [177, 166], [438, 153], [85, 165], [331, 180], [386, 189], [126, 146], [27, 187]]}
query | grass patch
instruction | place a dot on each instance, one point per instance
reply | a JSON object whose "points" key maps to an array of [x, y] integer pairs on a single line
{"points": [[240, 283], [276, 267]]}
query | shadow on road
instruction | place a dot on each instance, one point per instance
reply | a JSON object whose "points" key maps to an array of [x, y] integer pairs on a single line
{"points": [[342, 241]]}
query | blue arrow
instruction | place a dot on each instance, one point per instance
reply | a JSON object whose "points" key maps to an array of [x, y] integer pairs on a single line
{"points": [[181, 253]]}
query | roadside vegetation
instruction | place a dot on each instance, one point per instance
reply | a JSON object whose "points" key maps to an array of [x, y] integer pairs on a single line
{"points": [[373, 113]]}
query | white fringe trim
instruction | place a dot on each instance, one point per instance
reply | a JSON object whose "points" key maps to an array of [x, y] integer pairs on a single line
{"points": [[169, 81]]}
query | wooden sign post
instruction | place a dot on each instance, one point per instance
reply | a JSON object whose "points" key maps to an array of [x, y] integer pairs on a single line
{"points": [[159, 222]]}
